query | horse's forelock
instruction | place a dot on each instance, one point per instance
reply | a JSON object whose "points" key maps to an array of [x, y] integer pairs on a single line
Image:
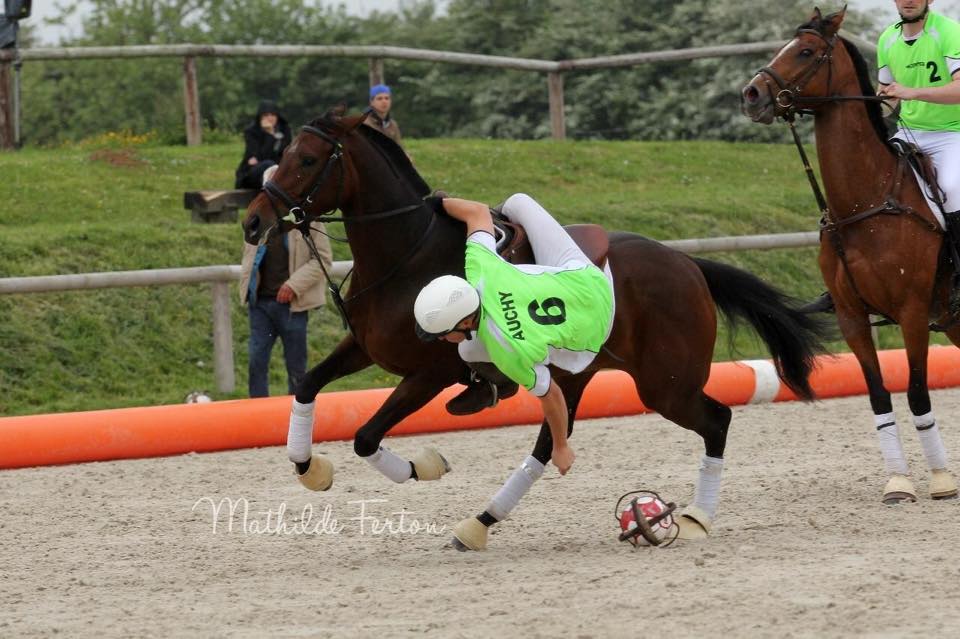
{"points": [[814, 24], [324, 122], [818, 23]]}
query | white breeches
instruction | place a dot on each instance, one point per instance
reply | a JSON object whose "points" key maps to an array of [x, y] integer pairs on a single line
{"points": [[943, 147], [552, 246]]}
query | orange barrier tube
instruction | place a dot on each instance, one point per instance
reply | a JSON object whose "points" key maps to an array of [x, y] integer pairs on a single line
{"points": [[39, 440]]}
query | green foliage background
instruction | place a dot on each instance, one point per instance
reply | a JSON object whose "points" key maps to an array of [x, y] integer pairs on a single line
{"points": [[71, 100], [99, 186]]}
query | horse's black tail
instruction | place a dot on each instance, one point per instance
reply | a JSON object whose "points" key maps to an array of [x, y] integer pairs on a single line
{"points": [[794, 338]]}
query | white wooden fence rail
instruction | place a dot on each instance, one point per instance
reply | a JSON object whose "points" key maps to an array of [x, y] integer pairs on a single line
{"points": [[220, 278]]}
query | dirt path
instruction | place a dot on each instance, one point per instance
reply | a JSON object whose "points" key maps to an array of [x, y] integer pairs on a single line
{"points": [[802, 546]]}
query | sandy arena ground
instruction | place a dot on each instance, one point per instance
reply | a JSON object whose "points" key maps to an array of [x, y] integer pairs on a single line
{"points": [[802, 547]]}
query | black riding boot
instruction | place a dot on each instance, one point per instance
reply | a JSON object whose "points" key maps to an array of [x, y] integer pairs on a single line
{"points": [[487, 386], [952, 238], [823, 304]]}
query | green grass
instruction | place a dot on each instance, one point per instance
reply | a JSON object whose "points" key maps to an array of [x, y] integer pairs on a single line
{"points": [[104, 208]]}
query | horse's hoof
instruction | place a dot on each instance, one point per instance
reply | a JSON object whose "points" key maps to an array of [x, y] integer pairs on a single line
{"points": [[319, 475], [943, 485], [458, 545], [430, 465], [899, 489], [693, 524], [470, 534]]}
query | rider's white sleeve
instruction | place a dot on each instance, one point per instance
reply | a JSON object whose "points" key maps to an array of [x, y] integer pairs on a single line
{"points": [[542, 383], [551, 244], [885, 76]]}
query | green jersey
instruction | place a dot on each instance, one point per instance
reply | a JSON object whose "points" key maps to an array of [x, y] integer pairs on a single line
{"points": [[927, 61], [532, 315]]}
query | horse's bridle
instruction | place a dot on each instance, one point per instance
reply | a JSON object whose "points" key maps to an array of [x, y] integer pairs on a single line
{"points": [[297, 214], [788, 97], [296, 210]]}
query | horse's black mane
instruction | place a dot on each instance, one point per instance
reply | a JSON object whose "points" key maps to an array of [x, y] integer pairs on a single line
{"points": [[396, 157], [866, 88], [874, 111], [390, 150]]}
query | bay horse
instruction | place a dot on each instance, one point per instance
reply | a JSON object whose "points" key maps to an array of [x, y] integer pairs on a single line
{"points": [[664, 328], [880, 243]]}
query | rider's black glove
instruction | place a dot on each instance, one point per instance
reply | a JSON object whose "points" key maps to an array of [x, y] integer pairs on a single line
{"points": [[435, 204]]}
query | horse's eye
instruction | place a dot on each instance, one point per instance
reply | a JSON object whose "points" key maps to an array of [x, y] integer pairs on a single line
{"points": [[309, 161], [806, 53]]}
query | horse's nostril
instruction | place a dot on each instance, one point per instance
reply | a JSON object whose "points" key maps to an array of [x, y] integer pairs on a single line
{"points": [[750, 94]]}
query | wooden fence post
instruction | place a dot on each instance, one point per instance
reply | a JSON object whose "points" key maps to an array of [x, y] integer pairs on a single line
{"points": [[558, 126], [191, 101], [7, 141], [376, 71], [17, 107], [222, 338]]}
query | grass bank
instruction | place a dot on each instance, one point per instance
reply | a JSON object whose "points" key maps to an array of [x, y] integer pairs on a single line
{"points": [[111, 206]]}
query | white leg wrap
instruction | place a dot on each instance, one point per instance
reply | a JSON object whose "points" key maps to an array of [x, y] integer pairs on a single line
{"points": [[890, 447], [706, 497], [300, 433], [515, 488], [393, 467], [930, 441]]}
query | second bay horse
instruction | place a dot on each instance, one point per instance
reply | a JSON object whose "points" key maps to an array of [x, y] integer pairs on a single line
{"points": [[880, 248]]}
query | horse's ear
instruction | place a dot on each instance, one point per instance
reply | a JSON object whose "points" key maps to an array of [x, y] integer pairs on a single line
{"points": [[831, 24], [817, 16], [336, 112], [353, 122]]}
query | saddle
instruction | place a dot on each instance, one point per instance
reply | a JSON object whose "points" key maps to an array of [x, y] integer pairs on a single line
{"points": [[514, 246], [923, 165]]}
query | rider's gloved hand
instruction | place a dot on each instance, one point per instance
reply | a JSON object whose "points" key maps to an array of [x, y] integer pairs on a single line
{"points": [[435, 202]]}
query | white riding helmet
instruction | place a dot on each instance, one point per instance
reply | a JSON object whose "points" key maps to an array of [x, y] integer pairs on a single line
{"points": [[442, 304]]}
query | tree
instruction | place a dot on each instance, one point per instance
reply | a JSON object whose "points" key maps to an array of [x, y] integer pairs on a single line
{"points": [[681, 100]]}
